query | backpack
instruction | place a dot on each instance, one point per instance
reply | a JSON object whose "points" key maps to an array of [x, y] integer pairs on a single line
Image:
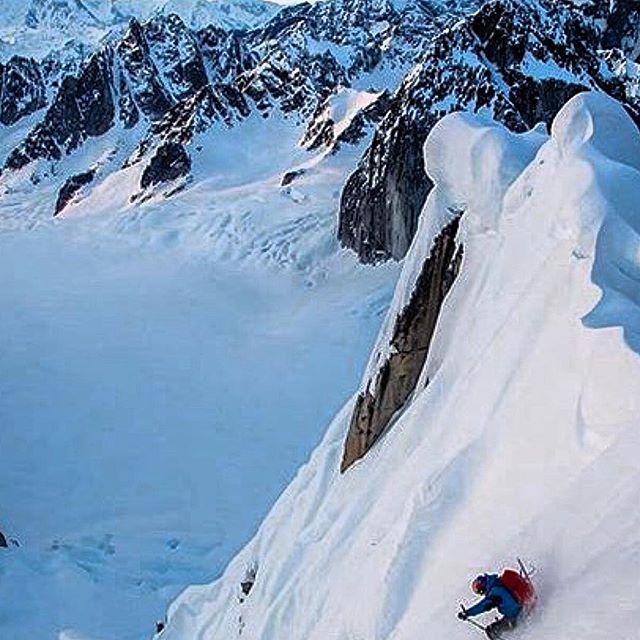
{"points": [[519, 587]]}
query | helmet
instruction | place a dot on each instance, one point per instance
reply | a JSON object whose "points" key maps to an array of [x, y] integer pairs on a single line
{"points": [[479, 585]]}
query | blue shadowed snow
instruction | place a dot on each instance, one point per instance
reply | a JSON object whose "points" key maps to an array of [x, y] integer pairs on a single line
{"points": [[165, 369]]}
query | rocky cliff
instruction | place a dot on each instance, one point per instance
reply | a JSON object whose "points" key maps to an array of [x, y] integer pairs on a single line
{"points": [[501, 62], [22, 89], [396, 380]]}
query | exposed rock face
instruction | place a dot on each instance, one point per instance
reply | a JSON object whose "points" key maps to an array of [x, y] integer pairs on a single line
{"points": [[93, 96], [71, 187], [170, 162], [22, 89], [221, 103], [226, 54], [383, 198], [623, 27], [83, 108], [396, 380], [515, 62], [183, 74], [148, 92], [291, 176], [364, 122], [321, 129]]}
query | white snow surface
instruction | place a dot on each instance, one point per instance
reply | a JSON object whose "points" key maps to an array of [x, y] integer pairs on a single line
{"points": [[526, 441], [166, 366]]}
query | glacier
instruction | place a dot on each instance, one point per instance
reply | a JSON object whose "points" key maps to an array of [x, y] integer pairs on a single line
{"points": [[167, 366], [524, 441]]}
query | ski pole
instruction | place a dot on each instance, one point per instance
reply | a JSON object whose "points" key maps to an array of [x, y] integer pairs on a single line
{"points": [[478, 625], [524, 572], [470, 621]]}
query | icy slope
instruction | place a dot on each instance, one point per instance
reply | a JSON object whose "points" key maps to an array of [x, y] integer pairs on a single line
{"points": [[524, 442]]}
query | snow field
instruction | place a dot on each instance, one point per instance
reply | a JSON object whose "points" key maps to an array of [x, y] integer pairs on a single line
{"points": [[167, 365]]}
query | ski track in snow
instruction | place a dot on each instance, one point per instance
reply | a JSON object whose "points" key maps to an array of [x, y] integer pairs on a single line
{"points": [[524, 443]]}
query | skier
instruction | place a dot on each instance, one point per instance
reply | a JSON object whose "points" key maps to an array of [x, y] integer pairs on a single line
{"points": [[511, 594]]}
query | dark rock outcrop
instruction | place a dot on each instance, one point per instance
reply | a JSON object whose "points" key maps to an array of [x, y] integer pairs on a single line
{"points": [[170, 162], [93, 96], [144, 79], [22, 89], [83, 108], [291, 176], [249, 580], [382, 200], [321, 129], [622, 30], [226, 54], [223, 104], [177, 56], [71, 187], [413, 331], [3, 541], [178, 78], [364, 122]]}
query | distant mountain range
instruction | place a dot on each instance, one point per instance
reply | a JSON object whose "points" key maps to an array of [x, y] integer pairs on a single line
{"points": [[197, 67]]}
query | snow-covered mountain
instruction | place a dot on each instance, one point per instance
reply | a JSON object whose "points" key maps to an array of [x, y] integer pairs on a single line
{"points": [[133, 331], [520, 436], [161, 83], [517, 61]]}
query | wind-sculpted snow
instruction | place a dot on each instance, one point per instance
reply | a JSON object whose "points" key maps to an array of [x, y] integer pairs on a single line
{"points": [[601, 139], [460, 153], [525, 442]]}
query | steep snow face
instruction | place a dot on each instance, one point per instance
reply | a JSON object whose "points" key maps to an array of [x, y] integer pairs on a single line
{"points": [[526, 440]]}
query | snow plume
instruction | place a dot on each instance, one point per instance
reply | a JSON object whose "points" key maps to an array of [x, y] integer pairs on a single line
{"points": [[525, 441]]}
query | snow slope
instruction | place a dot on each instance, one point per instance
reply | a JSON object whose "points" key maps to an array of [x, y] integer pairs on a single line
{"points": [[166, 366], [526, 440]]}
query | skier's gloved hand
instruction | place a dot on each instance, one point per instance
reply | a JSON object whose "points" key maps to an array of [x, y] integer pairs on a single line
{"points": [[462, 615]]}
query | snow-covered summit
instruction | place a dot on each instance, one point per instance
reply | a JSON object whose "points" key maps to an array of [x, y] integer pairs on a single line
{"points": [[521, 435]]}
